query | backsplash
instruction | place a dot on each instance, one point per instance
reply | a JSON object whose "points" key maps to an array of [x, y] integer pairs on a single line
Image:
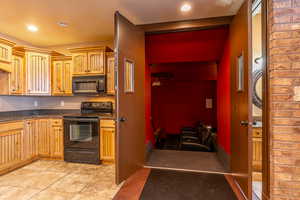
{"points": [[17, 103]]}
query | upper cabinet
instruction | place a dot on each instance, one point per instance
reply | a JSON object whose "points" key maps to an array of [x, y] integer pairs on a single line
{"points": [[110, 73], [38, 72], [16, 78], [89, 60], [5, 55], [62, 75]]}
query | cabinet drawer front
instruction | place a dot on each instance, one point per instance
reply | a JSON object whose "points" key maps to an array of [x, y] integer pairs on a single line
{"points": [[56, 122], [5, 127], [257, 132], [107, 123]]}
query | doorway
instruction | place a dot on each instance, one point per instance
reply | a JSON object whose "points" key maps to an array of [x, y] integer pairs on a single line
{"points": [[183, 72]]}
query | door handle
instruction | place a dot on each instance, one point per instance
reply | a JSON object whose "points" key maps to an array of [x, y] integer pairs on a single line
{"points": [[122, 119], [244, 123]]}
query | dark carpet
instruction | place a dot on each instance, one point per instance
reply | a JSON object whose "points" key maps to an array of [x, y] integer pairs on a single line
{"points": [[176, 185]]}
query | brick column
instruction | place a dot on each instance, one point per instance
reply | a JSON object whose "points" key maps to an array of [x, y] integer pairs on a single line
{"points": [[284, 83]]}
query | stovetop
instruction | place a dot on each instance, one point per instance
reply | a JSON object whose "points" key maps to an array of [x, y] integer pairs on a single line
{"points": [[94, 109]]}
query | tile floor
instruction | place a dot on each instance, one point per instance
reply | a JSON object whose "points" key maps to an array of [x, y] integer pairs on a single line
{"points": [[58, 180]]}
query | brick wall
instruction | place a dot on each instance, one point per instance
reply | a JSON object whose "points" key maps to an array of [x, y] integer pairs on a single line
{"points": [[284, 71]]}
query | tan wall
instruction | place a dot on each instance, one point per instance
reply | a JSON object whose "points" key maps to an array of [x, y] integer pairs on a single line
{"points": [[284, 71]]}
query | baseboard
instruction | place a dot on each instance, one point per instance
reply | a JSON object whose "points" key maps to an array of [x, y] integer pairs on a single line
{"points": [[224, 158], [148, 150], [17, 166]]}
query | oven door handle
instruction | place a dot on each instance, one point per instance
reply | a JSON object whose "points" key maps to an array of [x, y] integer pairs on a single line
{"points": [[82, 119]]}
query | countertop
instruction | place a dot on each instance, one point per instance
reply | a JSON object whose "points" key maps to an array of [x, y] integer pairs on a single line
{"points": [[43, 113]]}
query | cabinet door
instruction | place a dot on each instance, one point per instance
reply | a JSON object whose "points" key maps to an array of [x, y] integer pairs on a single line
{"points": [[5, 57], [110, 75], [17, 75], [67, 77], [56, 142], [11, 135], [44, 137], [96, 62], [107, 143], [80, 63], [57, 79], [30, 140], [38, 74]]}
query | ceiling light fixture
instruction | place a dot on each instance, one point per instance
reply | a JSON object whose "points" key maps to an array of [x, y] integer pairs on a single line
{"points": [[63, 24], [32, 28], [186, 7]]}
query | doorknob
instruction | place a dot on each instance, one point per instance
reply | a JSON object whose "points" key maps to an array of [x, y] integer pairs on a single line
{"points": [[122, 119], [244, 123]]}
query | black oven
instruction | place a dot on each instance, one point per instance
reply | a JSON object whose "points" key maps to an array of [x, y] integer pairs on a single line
{"points": [[81, 139], [89, 85]]}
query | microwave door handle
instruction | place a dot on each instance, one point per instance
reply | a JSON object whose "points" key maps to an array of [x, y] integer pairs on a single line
{"points": [[97, 85]]}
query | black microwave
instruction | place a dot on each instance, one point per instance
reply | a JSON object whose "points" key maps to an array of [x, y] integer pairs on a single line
{"points": [[89, 85]]}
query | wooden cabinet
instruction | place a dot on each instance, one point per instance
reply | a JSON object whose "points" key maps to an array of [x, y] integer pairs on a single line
{"points": [[89, 60], [50, 134], [38, 73], [30, 140], [44, 137], [11, 145], [110, 73], [56, 139], [257, 149], [62, 76], [16, 79], [107, 140], [5, 55]]}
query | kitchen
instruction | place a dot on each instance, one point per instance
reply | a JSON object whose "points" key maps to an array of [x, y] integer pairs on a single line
{"points": [[57, 109]]}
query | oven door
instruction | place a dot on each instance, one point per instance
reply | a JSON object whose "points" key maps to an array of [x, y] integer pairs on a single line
{"points": [[81, 133]]}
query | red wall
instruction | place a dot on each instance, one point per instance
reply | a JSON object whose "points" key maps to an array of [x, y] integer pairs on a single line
{"points": [[193, 46], [223, 100], [180, 101]]}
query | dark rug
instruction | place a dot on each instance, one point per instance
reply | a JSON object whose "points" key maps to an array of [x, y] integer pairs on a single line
{"points": [[176, 185]]}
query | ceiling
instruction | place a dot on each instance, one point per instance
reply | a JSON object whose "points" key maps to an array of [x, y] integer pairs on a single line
{"points": [[92, 20]]}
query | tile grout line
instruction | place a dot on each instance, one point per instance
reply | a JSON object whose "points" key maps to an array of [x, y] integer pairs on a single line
{"points": [[50, 185]]}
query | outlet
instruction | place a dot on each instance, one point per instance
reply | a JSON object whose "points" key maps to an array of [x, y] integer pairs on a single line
{"points": [[35, 103], [62, 103]]}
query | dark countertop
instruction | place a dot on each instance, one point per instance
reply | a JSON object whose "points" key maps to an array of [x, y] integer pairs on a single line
{"points": [[42, 113]]}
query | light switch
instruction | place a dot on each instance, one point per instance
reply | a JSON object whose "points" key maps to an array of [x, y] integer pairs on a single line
{"points": [[297, 93], [209, 103], [35, 103], [62, 103]]}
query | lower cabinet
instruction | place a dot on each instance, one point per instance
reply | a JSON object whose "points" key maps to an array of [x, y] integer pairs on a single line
{"points": [[107, 140], [257, 149], [11, 145], [30, 140], [56, 139], [50, 138]]}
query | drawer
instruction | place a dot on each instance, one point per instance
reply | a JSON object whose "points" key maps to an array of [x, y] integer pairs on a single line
{"points": [[257, 132], [4, 127], [56, 122], [107, 123]]}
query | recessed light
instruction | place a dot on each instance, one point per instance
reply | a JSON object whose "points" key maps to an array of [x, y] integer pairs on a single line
{"points": [[32, 28], [186, 7], [63, 24]]}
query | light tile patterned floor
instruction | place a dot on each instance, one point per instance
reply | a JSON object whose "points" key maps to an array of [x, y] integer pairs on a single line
{"points": [[58, 180]]}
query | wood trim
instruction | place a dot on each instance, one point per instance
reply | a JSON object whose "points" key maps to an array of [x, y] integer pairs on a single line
{"points": [[32, 49], [186, 25], [7, 42], [92, 48], [235, 187], [61, 58], [18, 52], [266, 138], [133, 186]]}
